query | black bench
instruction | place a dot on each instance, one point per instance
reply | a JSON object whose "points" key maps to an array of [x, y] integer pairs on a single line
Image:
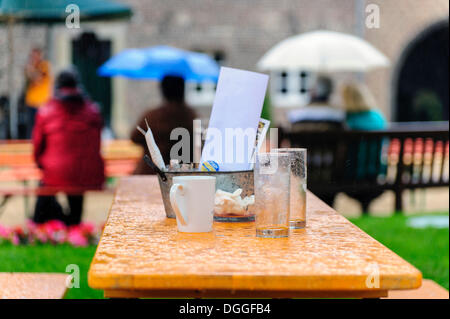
{"points": [[364, 164]]}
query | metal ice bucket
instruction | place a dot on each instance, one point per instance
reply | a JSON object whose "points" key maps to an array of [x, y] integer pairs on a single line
{"points": [[226, 181]]}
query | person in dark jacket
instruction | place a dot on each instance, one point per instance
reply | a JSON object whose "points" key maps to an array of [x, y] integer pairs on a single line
{"points": [[66, 140], [171, 114]]}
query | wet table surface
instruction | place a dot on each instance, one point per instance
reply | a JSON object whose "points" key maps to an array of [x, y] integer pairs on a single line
{"points": [[141, 254]]}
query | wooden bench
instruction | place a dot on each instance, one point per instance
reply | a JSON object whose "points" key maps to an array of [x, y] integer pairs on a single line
{"points": [[364, 164], [17, 165], [33, 285], [428, 290]]}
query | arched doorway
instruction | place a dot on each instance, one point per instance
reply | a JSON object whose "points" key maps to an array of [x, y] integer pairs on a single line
{"points": [[421, 85]]}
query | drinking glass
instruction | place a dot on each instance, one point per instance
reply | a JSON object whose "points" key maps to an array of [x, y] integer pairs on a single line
{"points": [[272, 187], [297, 158]]}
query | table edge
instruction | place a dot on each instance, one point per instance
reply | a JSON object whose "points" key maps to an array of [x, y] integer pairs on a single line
{"points": [[250, 282]]}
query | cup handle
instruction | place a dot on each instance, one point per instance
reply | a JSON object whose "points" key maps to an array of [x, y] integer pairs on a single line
{"points": [[177, 188]]}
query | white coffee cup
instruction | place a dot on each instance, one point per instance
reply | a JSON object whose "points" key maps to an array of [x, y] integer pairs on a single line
{"points": [[192, 199]]}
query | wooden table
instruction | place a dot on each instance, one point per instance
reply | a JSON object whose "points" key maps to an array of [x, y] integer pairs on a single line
{"points": [[141, 254]]}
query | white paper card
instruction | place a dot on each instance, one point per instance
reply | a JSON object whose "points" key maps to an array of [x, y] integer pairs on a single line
{"points": [[230, 139]]}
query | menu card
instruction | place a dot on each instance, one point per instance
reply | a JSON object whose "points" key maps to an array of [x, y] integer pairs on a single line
{"points": [[231, 135]]}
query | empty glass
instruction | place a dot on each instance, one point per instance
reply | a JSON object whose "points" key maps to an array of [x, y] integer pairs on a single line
{"points": [[297, 157], [272, 187]]}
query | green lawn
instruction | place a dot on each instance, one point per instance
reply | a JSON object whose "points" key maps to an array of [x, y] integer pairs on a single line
{"points": [[427, 249], [49, 258]]}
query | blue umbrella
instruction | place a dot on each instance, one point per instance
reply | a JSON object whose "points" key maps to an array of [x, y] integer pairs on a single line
{"points": [[159, 61]]}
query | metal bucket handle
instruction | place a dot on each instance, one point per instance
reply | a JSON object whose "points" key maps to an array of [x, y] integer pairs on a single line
{"points": [[150, 163]]}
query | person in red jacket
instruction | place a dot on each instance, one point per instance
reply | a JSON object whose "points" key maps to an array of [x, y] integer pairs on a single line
{"points": [[66, 140]]}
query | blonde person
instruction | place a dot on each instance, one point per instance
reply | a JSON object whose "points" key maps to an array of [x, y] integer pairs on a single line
{"points": [[360, 111], [362, 115]]}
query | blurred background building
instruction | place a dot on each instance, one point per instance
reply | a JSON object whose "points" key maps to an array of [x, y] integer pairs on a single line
{"points": [[412, 33]]}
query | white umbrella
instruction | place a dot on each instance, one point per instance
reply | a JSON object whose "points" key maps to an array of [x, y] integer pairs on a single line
{"points": [[323, 51]]}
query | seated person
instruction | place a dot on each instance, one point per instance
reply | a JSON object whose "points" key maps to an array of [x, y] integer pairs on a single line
{"points": [[360, 111], [364, 156], [171, 114], [318, 115], [66, 141]]}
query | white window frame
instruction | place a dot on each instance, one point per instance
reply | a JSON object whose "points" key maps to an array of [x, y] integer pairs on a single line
{"points": [[200, 94], [293, 97]]}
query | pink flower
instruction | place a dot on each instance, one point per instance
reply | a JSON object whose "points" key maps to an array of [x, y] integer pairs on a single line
{"points": [[20, 235], [54, 226], [59, 237], [15, 240], [54, 231], [41, 236], [4, 232], [31, 225], [19, 231], [76, 238], [87, 228]]}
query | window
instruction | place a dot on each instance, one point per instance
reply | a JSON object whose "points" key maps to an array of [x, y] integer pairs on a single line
{"points": [[290, 88], [283, 82], [303, 82], [202, 93]]}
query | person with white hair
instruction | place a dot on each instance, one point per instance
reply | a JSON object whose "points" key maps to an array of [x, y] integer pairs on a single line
{"points": [[318, 115]]}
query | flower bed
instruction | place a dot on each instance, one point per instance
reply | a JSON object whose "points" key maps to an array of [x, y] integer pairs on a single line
{"points": [[53, 232]]}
